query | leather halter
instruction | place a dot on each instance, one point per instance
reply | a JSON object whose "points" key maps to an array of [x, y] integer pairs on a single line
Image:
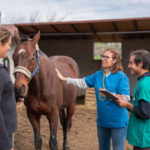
{"points": [[25, 71]]}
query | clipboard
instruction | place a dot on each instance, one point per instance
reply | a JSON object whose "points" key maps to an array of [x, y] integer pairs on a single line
{"points": [[108, 94]]}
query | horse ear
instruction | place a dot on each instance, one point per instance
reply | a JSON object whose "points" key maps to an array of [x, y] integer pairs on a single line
{"points": [[36, 38], [16, 37]]}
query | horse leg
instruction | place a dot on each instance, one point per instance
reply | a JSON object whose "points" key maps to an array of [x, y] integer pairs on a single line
{"points": [[35, 122], [70, 112], [53, 121], [66, 121], [63, 123]]}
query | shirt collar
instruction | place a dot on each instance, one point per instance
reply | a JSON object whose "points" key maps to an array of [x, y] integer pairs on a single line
{"points": [[144, 75], [108, 72]]}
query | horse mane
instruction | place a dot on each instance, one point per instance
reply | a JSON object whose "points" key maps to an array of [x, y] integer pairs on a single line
{"points": [[24, 38], [42, 53]]}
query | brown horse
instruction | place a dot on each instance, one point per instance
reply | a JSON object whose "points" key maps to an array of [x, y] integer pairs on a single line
{"points": [[44, 93]]}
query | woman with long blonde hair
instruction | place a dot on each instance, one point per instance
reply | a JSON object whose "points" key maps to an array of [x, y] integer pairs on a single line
{"points": [[8, 121], [111, 119]]}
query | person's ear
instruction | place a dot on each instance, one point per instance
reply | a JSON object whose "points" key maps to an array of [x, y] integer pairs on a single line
{"points": [[140, 64]]}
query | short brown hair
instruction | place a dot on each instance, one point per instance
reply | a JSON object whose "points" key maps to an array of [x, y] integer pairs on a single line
{"points": [[142, 56], [4, 35], [117, 65]]}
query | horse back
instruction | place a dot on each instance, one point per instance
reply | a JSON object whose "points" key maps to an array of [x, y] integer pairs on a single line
{"points": [[68, 68], [66, 65]]}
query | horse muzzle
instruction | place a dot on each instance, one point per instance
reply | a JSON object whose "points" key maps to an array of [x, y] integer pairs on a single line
{"points": [[20, 92]]}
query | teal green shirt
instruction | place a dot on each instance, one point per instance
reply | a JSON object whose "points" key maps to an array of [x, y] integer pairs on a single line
{"points": [[138, 133]]}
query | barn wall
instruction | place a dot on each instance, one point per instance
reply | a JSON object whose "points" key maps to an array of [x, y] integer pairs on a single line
{"points": [[80, 50], [129, 45]]}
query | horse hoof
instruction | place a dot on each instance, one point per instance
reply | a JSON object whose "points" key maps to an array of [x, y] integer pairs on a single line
{"points": [[66, 148]]}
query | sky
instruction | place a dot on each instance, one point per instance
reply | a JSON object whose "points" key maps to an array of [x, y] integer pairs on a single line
{"points": [[19, 11]]}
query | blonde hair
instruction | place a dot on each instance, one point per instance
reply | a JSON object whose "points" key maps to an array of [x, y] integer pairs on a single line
{"points": [[115, 55], [4, 35]]}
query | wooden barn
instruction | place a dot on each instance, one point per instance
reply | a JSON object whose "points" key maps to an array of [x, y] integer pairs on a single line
{"points": [[77, 38]]}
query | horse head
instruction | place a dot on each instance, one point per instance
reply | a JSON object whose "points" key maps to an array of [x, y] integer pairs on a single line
{"points": [[26, 63]]}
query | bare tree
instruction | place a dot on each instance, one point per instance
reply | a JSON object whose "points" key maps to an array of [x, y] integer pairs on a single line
{"points": [[34, 16], [54, 17], [13, 17]]}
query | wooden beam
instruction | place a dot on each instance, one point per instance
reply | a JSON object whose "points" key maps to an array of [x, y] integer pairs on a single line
{"points": [[53, 26], [135, 25], [74, 28], [113, 37], [94, 31], [115, 26], [92, 27], [125, 32], [35, 28], [23, 31], [91, 33]]}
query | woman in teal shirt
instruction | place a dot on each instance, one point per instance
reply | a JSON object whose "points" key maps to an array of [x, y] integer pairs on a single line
{"points": [[111, 119]]}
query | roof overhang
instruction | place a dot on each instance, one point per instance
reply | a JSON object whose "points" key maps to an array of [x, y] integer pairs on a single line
{"points": [[101, 30]]}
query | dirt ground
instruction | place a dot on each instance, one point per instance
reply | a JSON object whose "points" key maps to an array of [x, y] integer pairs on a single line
{"points": [[83, 133]]}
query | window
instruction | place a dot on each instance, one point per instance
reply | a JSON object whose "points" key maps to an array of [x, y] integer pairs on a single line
{"points": [[99, 48]]}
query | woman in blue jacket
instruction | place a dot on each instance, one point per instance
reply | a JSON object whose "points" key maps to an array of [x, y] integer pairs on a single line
{"points": [[8, 122], [111, 119]]}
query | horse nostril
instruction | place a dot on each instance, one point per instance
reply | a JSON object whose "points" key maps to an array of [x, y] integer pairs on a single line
{"points": [[23, 89], [17, 91]]}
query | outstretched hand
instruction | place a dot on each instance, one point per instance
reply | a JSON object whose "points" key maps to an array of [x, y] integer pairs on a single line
{"points": [[59, 75]]}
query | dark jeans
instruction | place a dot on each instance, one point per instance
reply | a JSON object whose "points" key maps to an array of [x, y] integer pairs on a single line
{"points": [[138, 148], [10, 139], [117, 135]]}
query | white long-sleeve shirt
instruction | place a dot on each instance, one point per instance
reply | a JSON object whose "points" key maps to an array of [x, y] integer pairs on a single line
{"points": [[81, 83], [78, 82]]}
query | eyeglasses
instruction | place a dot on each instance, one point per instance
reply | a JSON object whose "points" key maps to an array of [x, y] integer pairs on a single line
{"points": [[105, 57]]}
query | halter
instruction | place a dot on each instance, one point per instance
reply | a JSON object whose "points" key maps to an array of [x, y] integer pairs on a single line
{"points": [[25, 71]]}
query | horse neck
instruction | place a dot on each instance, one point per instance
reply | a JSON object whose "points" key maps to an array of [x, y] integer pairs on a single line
{"points": [[47, 67], [45, 74]]}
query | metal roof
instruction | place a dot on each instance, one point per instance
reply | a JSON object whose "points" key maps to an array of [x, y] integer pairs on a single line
{"points": [[101, 30]]}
